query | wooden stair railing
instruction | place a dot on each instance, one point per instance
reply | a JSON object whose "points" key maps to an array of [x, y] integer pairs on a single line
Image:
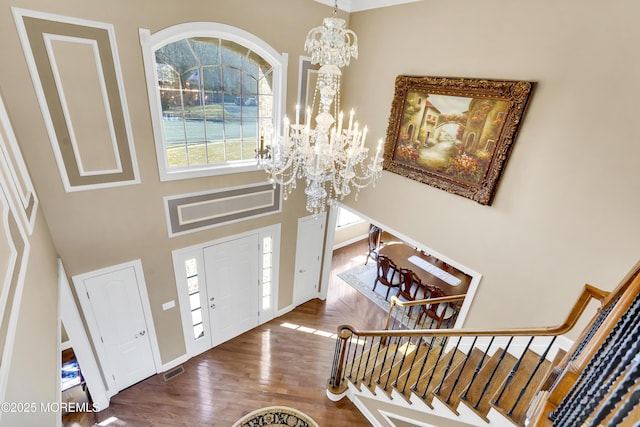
{"points": [[517, 372], [597, 384]]}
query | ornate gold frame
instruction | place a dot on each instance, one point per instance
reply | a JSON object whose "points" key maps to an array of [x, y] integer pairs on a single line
{"points": [[485, 114]]}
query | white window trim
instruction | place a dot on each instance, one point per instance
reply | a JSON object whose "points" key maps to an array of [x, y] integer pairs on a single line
{"points": [[151, 42]]}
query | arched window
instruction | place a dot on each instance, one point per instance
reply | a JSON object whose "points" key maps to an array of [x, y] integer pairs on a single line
{"points": [[214, 90]]}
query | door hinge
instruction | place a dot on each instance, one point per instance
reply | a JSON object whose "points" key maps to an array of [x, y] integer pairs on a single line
{"points": [[102, 340], [114, 377], [88, 297]]}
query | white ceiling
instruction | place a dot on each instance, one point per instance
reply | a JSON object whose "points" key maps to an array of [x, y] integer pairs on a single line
{"points": [[358, 5]]}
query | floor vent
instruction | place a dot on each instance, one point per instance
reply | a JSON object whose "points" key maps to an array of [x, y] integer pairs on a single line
{"points": [[173, 373]]}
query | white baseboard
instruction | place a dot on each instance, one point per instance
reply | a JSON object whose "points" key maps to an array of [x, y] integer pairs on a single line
{"points": [[348, 242], [173, 363], [285, 310]]}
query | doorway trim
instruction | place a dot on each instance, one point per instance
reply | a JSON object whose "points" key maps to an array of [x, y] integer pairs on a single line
{"points": [[297, 299], [326, 268], [78, 281], [196, 251], [70, 317]]}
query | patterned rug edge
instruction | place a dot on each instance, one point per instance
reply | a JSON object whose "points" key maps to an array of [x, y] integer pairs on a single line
{"points": [[276, 416]]}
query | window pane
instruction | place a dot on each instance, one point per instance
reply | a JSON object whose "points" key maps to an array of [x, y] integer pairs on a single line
{"points": [[196, 154], [266, 275], [346, 217], [231, 81], [266, 303], [232, 53], [191, 267], [196, 316], [206, 50], [177, 54], [192, 284], [198, 331], [249, 85], [212, 91], [216, 151], [213, 81], [266, 288], [177, 155], [194, 300], [266, 245], [254, 65], [170, 87], [266, 260]]}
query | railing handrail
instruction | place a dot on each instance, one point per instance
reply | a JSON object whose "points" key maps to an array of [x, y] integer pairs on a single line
{"points": [[449, 298], [418, 361], [395, 301], [589, 292]]}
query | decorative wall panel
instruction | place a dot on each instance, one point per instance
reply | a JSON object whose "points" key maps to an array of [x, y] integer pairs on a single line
{"points": [[75, 71], [193, 212], [18, 208], [15, 173]]}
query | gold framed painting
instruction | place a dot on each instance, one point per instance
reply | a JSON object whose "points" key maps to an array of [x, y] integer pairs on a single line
{"points": [[455, 134]]}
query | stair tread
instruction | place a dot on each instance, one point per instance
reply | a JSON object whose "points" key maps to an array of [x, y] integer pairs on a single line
{"points": [[473, 396], [509, 405], [411, 369], [425, 361], [458, 378], [354, 371], [377, 367], [430, 382], [402, 359]]}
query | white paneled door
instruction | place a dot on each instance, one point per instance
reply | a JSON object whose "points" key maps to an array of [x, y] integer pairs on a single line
{"points": [[231, 270], [113, 305], [309, 248]]}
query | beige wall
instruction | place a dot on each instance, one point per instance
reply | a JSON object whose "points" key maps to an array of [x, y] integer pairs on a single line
{"points": [[96, 229], [345, 235], [566, 211], [34, 365]]}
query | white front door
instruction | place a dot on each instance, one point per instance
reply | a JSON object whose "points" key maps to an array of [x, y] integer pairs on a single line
{"points": [[309, 247], [231, 271], [115, 306]]}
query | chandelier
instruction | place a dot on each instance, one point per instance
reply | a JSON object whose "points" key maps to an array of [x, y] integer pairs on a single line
{"points": [[331, 155]]}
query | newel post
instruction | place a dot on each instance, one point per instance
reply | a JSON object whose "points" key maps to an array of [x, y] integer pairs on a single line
{"points": [[336, 385]]}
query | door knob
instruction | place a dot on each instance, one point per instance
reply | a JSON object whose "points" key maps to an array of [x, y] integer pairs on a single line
{"points": [[142, 333], [213, 306], [302, 270]]}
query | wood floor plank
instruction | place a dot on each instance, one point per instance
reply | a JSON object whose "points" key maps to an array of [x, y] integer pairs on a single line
{"points": [[269, 365]]}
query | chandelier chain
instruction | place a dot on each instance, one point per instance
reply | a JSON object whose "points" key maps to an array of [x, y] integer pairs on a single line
{"points": [[330, 153]]}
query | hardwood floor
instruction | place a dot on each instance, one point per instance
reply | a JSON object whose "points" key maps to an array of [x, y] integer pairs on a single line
{"points": [[284, 362]]}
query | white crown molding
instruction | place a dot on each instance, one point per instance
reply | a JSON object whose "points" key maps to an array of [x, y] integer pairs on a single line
{"points": [[359, 5]]}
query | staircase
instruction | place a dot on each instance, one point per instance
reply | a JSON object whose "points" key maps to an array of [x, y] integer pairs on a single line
{"points": [[509, 377]]}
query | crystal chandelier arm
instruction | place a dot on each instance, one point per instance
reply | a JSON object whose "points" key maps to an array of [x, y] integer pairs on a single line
{"points": [[330, 155]]}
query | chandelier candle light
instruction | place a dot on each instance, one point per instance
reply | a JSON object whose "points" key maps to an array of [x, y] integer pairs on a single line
{"points": [[330, 156]]}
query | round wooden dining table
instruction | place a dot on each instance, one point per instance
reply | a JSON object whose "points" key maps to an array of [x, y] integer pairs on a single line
{"points": [[401, 254]]}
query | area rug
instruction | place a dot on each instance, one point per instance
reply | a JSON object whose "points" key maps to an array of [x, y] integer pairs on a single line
{"points": [[361, 278], [276, 416]]}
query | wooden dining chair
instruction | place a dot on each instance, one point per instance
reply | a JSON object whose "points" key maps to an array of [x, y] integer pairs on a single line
{"points": [[387, 274], [375, 233], [440, 312], [410, 285]]}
